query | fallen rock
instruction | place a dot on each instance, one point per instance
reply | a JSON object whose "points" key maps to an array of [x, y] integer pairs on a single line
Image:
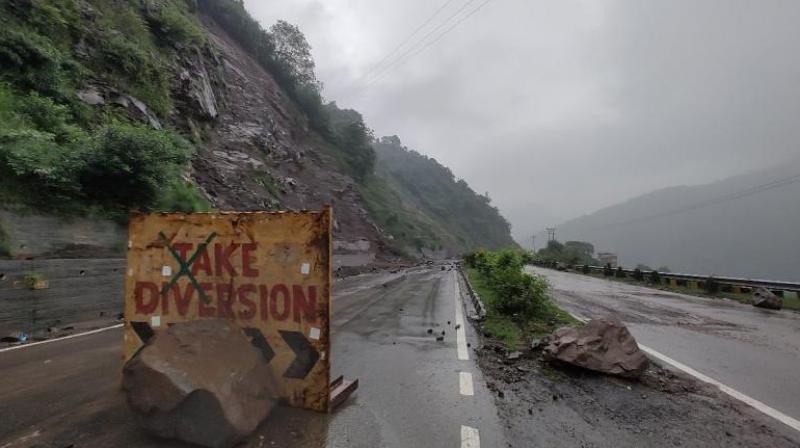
{"points": [[200, 382], [513, 356], [602, 345], [764, 298]]}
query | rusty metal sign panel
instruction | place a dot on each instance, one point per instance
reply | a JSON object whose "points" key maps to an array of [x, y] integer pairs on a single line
{"points": [[269, 273]]}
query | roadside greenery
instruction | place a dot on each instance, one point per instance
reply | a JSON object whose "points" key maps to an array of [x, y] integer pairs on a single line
{"points": [[570, 253], [518, 304], [65, 156]]}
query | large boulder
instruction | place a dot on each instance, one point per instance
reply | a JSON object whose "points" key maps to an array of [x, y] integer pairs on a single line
{"points": [[764, 298], [602, 345], [201, 382]]}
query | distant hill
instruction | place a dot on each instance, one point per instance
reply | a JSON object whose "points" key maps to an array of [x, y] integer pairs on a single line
{"points": [[747, 225], [419, 204]]}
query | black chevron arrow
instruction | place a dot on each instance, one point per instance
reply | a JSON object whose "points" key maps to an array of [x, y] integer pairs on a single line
{"points": [[306, 355], [259, 342], [143, 330]]}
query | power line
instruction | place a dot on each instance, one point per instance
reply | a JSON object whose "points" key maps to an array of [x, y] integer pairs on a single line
{"points": [[405, 41], [707, 203], [459, 22], [425, 43]]}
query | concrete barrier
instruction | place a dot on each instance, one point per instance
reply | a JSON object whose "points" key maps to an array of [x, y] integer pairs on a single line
{"points": [[69, 291]]}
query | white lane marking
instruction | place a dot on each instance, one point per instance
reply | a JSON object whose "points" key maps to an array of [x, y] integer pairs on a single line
{"points": [[465, 383], [772, 412], [470, 438], [87, 333], [461, 335], [746, 399]]}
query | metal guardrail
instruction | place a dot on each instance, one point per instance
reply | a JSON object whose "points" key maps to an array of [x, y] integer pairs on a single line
{"points": [[476, 299], [699, 281]]}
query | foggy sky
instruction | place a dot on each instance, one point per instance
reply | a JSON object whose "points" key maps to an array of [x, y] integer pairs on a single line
{"points": [[558, 108]]}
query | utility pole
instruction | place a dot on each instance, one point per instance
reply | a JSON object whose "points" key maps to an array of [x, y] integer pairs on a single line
{"points": [[551, 234], [533, 243]]}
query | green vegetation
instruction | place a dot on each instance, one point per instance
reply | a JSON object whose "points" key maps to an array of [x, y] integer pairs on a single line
{"points": [[518, 305], [283, 51], [31, 279], [59, 154], [570, 253], [420, 204]]}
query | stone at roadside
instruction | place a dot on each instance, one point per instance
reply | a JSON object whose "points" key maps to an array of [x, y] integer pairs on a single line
{"points": [[513, 356], [200, 382], [764, 298], [602, 345]]}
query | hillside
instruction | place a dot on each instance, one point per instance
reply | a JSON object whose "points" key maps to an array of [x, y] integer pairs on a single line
{"points": [[107, 106], [431, 207], [730, 227]]}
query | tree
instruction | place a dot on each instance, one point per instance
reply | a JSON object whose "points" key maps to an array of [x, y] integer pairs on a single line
{"points": [[293, 51], [581, 247]]}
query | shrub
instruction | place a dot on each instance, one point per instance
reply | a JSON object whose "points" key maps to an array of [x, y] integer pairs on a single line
{"points": [[638, 274], [129, 165], [172, 22], [519, 295], [182, 196], [712, 285], [585, 269], [620, 273], [31, 61], [655, 277]]}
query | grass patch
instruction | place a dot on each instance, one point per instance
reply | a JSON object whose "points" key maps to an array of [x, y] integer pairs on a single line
{"points": [[518, 306]]}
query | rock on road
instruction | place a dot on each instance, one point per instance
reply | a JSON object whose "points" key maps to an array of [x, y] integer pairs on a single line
{"points": [[66, 393], [754, 351]]}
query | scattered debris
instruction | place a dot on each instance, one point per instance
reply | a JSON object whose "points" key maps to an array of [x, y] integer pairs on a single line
{"points": [[430, 330], [603, 345], [439, 338], [764, 298], [200, 382], [17, 336], [340, 390]]}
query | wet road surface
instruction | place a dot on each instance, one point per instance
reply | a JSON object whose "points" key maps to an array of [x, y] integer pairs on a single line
{"points": [[66, 393], [755, 351]]}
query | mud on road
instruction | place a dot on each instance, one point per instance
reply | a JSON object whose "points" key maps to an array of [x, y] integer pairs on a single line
{"points": [[543, 405]]}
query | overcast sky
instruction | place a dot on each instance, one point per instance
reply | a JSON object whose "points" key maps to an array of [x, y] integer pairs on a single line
{"points": [[558, 108]]}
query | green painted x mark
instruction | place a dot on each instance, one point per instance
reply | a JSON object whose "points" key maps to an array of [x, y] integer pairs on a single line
{"points": [[185, 266]]}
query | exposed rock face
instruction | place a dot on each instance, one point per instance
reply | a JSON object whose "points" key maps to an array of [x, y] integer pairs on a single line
{"points": [[261, 154], [200, 382], [764, 298], [602, 345]]}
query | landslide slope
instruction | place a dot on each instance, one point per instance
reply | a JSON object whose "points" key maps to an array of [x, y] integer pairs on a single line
{"points": [[187, 105]]}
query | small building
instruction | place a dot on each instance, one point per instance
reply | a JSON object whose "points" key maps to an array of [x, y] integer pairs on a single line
{"points": [[607, 258]]}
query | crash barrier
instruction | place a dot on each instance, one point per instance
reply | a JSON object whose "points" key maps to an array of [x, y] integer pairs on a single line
{"points": [[268, 273], [732, 285], [476, 299], [37, 295]]}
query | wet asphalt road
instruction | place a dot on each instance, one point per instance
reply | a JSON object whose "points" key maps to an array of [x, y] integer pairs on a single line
{"points": [[66, 393], [755, 351]]}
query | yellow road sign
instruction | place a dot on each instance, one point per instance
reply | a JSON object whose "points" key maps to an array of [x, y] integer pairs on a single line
{"points": [[269, 273]]}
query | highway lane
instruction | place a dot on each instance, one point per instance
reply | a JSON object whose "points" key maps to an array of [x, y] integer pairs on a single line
{"points": [[66, 393], [755, 351]]}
